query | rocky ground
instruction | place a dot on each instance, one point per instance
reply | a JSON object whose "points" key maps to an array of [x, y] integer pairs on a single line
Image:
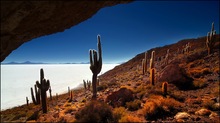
{"points": [[126, 95]]}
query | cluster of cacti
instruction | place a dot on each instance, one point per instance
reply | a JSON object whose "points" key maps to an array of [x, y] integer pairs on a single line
{"points": [[152, 69], [210, 41], [27, 101], [36, 98], [167, 57], [43, 86], [164, 88], [95, 66], [144, 64]]}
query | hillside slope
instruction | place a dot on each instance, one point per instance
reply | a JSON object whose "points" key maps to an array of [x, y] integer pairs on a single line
{"points": [[125, 94]]}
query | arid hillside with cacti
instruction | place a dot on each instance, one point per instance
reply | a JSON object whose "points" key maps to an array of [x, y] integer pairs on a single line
{"points": [[173, 83]]}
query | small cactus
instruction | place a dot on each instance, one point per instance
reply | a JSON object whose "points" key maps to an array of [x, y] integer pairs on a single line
{"points": [[84, 82], [37, 94], [88, 85], [164, 88], [143, 66], [210, 41], [68, 90], [27, 101], [167, 57], [95, 66], [57, 96], [71, 96], [152, 76], [43, 86]]}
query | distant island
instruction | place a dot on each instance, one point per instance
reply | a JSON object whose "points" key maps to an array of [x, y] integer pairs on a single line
{"points": [[29, 62]]}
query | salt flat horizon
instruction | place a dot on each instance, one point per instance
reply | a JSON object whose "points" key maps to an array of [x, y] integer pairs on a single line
{"points": [[16, 80]]}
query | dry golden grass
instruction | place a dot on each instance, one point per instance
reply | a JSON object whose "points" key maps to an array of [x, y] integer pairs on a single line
{"points": [[158, 106], [130, 119], [199, 83], [198, 72], [133, 105], [118, 113]]}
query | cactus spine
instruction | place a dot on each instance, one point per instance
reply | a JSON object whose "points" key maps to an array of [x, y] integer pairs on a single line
{"points": [[95, 66], [164, 88], [210, 41], [43, 86]]}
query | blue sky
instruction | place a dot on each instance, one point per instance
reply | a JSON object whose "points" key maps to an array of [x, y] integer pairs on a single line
{"points": [[126, 30]]}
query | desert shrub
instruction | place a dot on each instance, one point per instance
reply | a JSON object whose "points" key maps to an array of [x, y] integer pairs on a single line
{"points": [[199, 83], [69, 110], [133, 105], [140, 91], [102, 87], [177, 95], [160, 107], [67, 104], [210, 104], [94, 112], [216, 90], [118, 113], [216, 70], [130, 119]]}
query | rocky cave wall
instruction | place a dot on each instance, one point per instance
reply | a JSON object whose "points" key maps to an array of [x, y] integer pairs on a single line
{"points": [[22, 21]]}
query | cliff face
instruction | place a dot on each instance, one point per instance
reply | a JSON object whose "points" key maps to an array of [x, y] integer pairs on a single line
{"points": [[22, 21]]}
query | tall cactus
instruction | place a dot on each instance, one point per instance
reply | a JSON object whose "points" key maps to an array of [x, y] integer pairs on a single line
{"points": [[210, 41], [152, 69], [43, 86], [95, 66]]}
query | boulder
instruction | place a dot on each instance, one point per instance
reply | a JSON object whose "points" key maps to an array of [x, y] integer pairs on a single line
{"points": [[120, 97], [181, 115], [203, 112], [172, 73]]}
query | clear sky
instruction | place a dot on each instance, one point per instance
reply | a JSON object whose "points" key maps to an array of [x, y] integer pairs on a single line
{"points": [[126, 30]]}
